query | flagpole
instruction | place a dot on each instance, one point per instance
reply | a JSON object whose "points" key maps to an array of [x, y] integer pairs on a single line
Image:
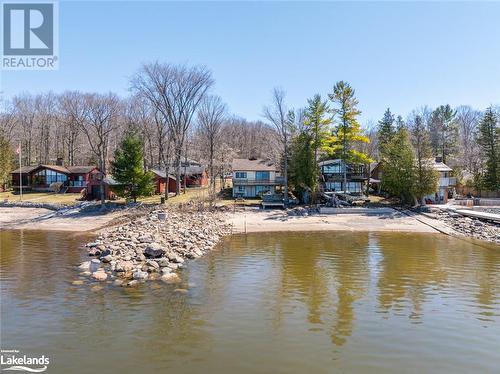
{"points": [[20, 174]]}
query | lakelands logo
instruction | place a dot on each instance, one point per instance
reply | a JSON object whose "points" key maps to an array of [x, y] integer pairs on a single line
{"points": [[30, 35], [13, 360]]}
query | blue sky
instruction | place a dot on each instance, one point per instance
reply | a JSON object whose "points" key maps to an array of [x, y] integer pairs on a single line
{"points": [[400, 54]]}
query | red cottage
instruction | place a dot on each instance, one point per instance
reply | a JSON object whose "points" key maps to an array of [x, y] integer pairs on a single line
{"points": [[160, 181], [196, 174]]}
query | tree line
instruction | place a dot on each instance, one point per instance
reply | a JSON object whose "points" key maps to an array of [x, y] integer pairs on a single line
{"points": [[171, 109], [466, 139], [175, 116]]}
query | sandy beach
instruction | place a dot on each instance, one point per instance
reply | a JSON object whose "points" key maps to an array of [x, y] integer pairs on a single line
{"points": [[45, 219], [248, 220], [255, 220]]}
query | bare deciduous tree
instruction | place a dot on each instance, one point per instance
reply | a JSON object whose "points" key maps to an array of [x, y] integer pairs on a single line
{"points": [[175, 91], [468, 150], [278, 114], [71, 110], [211, 116], [99, 121]]}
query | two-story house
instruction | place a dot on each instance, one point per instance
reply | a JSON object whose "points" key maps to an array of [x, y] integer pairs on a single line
{"points": [[446, 183], [254, 177], [332, 176]]}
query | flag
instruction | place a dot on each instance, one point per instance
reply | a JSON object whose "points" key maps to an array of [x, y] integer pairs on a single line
{"points": [[18, 150]]}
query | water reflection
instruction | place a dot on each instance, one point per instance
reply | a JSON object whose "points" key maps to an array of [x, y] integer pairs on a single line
{"points": [[294, 301]]}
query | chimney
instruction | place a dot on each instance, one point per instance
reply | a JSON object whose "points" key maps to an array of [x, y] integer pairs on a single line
{"points": [[439, 159], [60, 161]]}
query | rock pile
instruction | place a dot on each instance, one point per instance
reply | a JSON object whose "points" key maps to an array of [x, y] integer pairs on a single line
{"points": [[302, 211], [470, 227], [153, 246]]}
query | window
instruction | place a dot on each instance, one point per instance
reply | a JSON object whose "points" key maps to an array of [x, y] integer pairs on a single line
{"points": [[241, 188], [333, 169], [334, 186], [354, 186], [240, 174], [262, 175], [48, 176]]}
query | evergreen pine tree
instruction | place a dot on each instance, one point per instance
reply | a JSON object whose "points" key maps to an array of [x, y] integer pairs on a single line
{"points": [[128, 169], [385, 131], [347, 132], [6, 160], [398, 177], [489, 141], [444, 131], [426, 177], [303, 171], [318, 122]]}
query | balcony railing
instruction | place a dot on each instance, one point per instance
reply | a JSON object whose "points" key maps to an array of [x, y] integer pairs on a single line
{"points": [[256, 182], [332, 177], [77, 184]]}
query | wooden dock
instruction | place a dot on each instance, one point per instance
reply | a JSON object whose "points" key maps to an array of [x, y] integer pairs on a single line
{"points": [[481, 215]]}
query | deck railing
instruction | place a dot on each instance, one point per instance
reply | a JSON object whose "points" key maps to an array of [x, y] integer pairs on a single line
{"points": [[256, 181]]}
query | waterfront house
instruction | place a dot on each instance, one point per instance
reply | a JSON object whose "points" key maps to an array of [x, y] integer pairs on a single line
{"points": [[332, 176], [74, 179], [253, 177], [444, 188], [160, 181], [93, 189], [196, 173], [446, 183]]}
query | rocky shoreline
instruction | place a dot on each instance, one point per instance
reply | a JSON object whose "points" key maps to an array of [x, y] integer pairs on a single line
{"points": [[153, 246], [470, 227]]}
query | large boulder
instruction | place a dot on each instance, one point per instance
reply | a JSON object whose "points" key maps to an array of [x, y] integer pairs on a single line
{"points": [[154, 251], [123, 266], [139, 275], [100, 275], [170, 278]]}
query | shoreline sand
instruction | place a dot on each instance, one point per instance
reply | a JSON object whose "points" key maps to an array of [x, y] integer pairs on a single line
{"points": [[254, 220], [248, 220], [17, 218]]}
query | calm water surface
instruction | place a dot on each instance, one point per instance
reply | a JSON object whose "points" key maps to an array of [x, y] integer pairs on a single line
{"points": [[263, 303]]}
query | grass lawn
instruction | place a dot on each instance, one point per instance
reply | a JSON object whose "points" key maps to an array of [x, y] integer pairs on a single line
{"points": [[196, 194], [42, 197], [192, 194]]}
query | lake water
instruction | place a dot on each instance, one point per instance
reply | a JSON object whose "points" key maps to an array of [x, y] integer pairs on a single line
{"points": [[262, 303]]}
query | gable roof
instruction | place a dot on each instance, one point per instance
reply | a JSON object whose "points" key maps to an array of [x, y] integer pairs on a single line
{"points": [[24, 169], [441, 166], [161, 174], [58, 168], [337, 161], [246, 164]]}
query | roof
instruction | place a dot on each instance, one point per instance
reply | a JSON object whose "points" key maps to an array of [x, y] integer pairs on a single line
{"points": [[374, 165], [80, 169], [59, 168], [110, 181], [441, 166], [24, 169], [337, 161], [191, 170], [246, 164], [160, 173], [328, 162]]}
